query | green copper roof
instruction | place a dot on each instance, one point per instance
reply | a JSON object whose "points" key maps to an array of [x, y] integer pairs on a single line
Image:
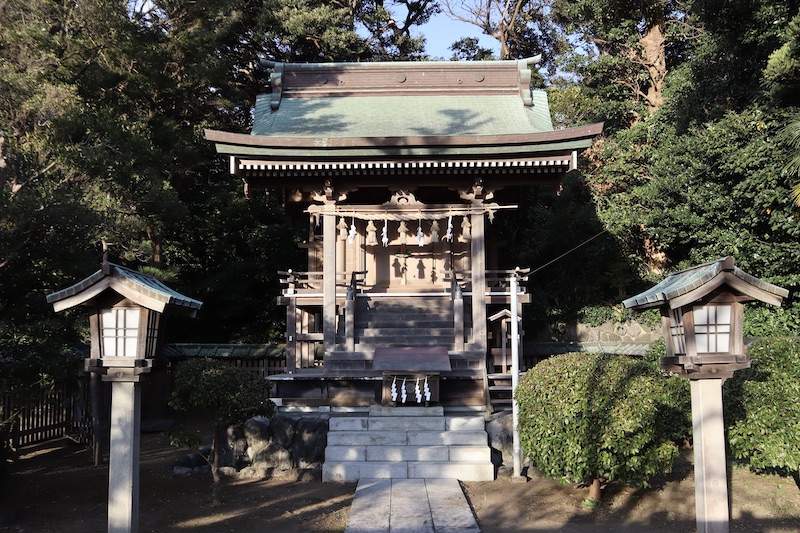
{"points": [[402, 116], [686, 281], [400, 113]]}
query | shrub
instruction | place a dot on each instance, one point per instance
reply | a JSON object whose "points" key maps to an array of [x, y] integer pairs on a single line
{"points": [[762, 407], [586, 418], [230, 394]]}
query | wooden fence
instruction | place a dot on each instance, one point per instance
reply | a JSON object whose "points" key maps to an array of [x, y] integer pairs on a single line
{"points": [[263, 359], [43, 412]]}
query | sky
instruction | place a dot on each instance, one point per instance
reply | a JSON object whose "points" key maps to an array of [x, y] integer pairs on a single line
{"points": [[441, 32]]}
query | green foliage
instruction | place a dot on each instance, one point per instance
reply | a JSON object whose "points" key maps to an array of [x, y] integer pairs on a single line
{"points": [[595, 315], [469, 49], [762, 407], [782, 73], [600, 416], [654, 354], [769, 321], [231, 394], [558, 234]]}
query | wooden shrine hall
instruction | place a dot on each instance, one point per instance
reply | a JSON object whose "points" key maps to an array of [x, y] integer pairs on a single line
{"points": [[401, 168]]}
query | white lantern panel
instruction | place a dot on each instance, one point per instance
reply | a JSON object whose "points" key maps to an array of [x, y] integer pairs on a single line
{"points": [[120, 332], [712, 328], [109, 345]]}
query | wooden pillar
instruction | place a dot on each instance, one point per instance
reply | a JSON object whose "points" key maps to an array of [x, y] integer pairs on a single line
{"points": [[710, 467], [478, 262], [350, 322], [458, 319], [291, 335], [341, 254], [329, 240]]}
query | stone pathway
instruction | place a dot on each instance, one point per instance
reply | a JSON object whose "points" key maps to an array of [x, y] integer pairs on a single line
{"points": [[410, 506]]}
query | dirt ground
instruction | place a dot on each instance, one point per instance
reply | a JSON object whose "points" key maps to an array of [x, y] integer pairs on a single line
{"points": [[55, 488]]}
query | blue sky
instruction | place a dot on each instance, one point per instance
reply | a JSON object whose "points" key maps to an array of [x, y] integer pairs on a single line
{"points": [[441, 32]]}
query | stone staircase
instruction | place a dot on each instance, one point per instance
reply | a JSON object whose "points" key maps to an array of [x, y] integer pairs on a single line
{"points": [[404, 321], [407, 442], [500, 391]]}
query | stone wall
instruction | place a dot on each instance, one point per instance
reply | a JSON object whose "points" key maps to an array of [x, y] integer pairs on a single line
{"points": [[266, 447], [628, 331]]}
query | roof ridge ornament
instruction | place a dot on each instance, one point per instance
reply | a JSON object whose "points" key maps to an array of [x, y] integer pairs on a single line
{"points": [[524, 68], [275, 81]]}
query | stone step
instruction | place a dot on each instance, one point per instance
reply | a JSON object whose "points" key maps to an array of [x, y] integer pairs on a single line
{"points": [[429, 331], [382, 410], [346, 471], [390, 454], [399, 303], [406, 423], [402, 438], [388, 423], [407, 442], [405, 340], [415, 321]]}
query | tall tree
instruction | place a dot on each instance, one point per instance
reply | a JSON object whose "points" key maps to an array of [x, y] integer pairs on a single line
{"points": [[391, 25], [522, 27], [635, 44]]}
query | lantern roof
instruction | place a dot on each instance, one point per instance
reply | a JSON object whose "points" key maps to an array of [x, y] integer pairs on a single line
{"points": [[692, 284], [142, 289]]}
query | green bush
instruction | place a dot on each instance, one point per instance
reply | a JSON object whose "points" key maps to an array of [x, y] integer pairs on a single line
{"points": [[230, 394], [762, 407], [586, 417]]}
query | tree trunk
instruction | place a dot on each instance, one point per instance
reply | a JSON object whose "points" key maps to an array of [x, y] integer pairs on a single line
{"points": [[155, 239], [654, 60], [594, 490]]}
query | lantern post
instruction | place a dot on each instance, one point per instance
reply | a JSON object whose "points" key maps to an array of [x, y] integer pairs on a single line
{"points": [[125, 312], [701, 315]]}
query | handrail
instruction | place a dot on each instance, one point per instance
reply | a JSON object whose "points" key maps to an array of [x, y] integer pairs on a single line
{"points": [[499, 279], [313, 280], [356, 277], [455, 287], [458, 280]]}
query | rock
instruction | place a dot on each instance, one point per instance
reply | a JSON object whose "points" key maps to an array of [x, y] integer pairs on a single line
{"points": [[247, 472], [182, 471], [282, 430], [273, 456], [256, 430], [227, 471], [234, 449], [191, 460], [310, 474], [505, 471], [500, 429], [257, 434], [310, 439]]}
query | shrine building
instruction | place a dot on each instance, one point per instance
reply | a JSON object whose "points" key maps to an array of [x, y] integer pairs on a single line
{"points": [[401, 169]]}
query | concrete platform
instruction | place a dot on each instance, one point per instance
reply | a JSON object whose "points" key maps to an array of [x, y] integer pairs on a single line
{"points": [[410, 506]]}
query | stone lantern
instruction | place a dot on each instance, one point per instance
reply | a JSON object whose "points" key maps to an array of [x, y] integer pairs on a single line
{"points": [[701, 314], [125, 310]]}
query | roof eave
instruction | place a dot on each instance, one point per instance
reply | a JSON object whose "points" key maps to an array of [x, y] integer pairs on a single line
{"points": [[228, 141]]}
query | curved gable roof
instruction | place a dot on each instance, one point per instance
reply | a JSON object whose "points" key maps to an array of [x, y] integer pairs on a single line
{"points": [[142, 289]]}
